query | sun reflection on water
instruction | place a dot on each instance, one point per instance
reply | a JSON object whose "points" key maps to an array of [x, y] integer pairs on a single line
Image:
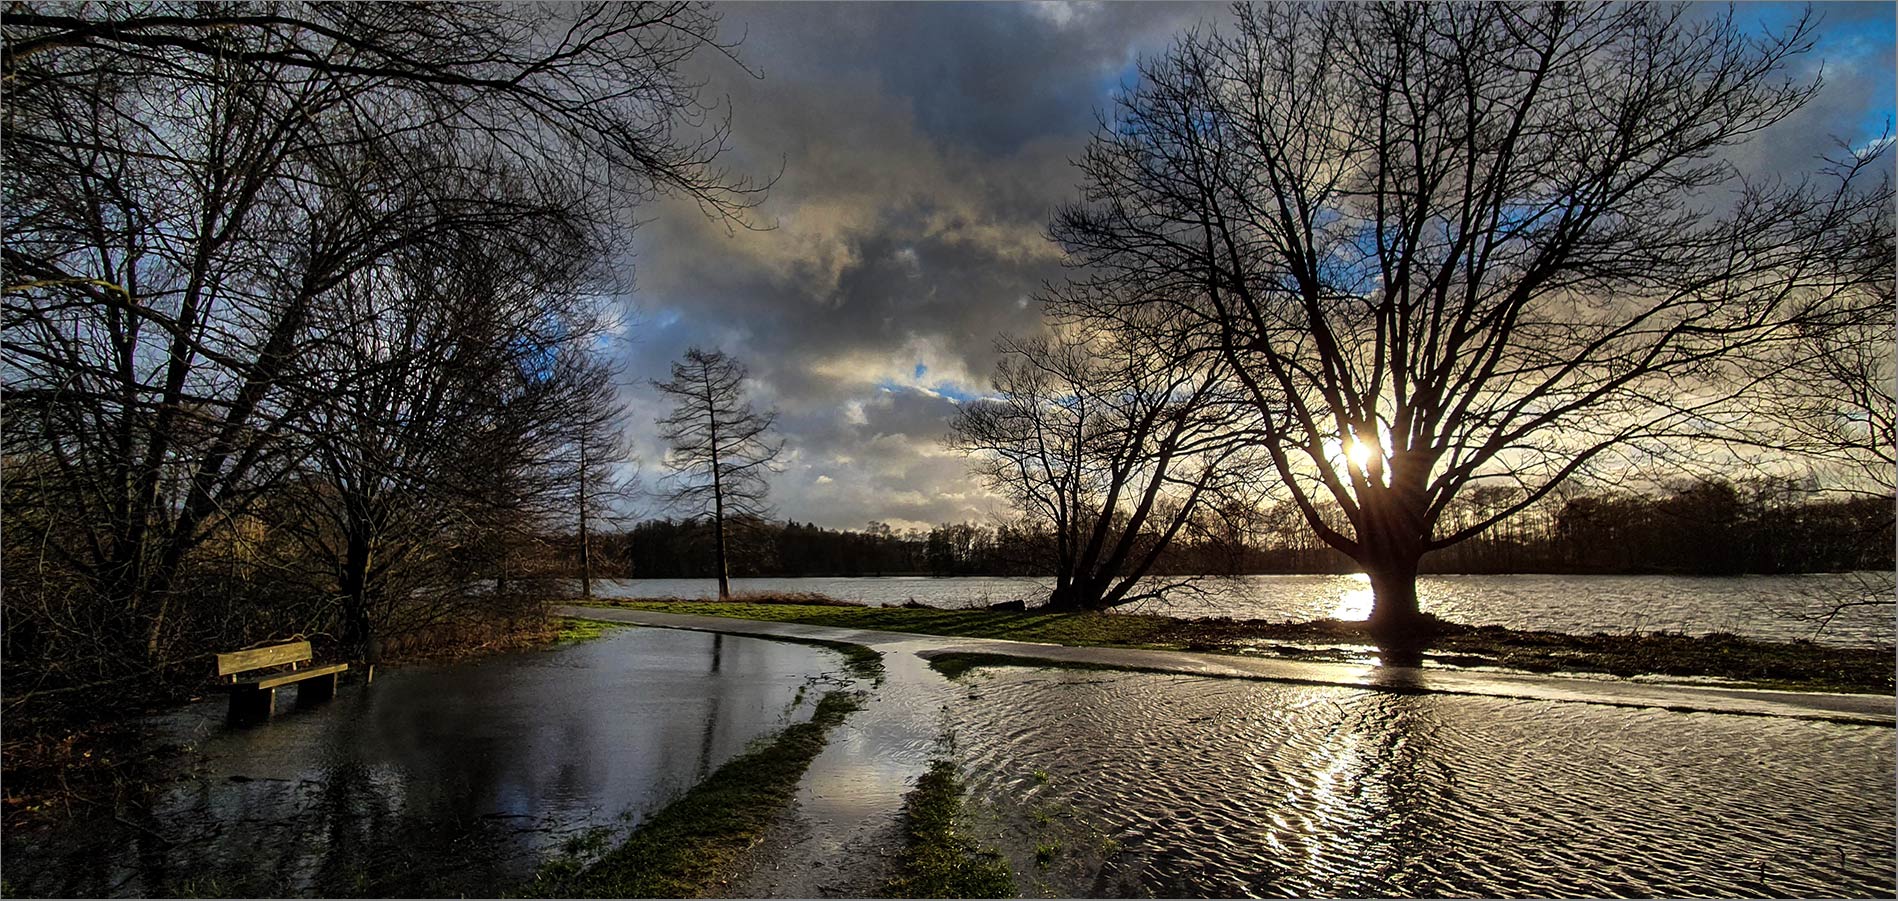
{"points": [[1355, 604]]}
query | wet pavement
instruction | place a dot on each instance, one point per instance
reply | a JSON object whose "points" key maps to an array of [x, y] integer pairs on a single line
{"points": [[842, 833]]}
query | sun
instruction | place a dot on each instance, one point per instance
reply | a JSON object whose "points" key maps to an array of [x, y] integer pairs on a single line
{"points": [[1359, 453]]}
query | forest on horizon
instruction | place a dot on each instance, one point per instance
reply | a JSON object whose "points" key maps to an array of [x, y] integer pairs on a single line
{"points": [[1713, 527]]}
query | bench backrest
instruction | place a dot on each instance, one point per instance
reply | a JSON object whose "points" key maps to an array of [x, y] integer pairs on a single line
{"points": [[258, 658]]}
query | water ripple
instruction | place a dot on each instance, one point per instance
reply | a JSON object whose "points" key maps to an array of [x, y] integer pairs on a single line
{"points": [[1207, 788]]}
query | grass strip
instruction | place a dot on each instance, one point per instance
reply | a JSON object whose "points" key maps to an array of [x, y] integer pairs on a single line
{"points": [[1798, 665], [860, 661], [937, 861], [686, 848], [574, 630], [954, 664]]}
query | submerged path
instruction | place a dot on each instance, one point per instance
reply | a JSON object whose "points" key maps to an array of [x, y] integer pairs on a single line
{"points": [[1843, 708]]}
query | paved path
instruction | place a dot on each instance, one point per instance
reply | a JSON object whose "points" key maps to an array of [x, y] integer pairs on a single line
{"points": [[1846, 708]]}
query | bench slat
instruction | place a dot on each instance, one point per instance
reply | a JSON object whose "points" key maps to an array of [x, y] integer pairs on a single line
{"points": [[258, 658], [273, 681]]}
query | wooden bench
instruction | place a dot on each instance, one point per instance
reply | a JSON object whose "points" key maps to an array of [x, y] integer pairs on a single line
{"points": [[255, 696]]}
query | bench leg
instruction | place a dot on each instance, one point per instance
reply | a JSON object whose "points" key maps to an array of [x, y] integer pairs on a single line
{"points": [[317, 690], [253, 704]]}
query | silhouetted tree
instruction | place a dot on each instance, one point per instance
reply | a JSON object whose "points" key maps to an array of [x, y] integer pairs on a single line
{"points": [[594, 470], [719, 450], [1111, 444], [1444, 246], [197, 197], [429, 386]]}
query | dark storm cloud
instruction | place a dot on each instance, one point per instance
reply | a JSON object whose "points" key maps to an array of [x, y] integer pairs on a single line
{"points": [[923, 147]]}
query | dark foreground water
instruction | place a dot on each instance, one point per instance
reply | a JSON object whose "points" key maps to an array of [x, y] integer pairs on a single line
{"points": [[1140, 784], [441, 780]]}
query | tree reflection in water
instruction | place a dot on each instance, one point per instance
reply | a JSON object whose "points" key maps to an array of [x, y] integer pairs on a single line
{"points": [[434, 780]]}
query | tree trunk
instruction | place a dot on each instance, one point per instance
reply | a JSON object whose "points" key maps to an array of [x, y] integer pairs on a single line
{"points": [[1076, 595], [1401, 630], [1394, 594], [586, 557], [1393, 536], [718, 543], [718, 497], [358, 628], [1064, 599]]}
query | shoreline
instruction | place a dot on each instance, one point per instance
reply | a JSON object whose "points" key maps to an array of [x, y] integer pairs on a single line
{"points": [[1843, 708], [1716, 660]]}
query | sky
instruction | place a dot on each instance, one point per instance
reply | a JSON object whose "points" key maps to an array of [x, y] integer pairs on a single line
{"points": [[922, 149]]}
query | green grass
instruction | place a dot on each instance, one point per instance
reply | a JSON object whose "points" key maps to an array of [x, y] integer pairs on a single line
{"points": [[686, 848], [1800, 665], [574, 629], [859, 660], [862, 662], [938, 861], [1045, 852], [1091, 629]]}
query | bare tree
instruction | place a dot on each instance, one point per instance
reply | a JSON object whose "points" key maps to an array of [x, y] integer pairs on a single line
{"points": [[1828, 399], [435, 359], [1444, 246], [720, 450], [1828, 402], [596, 465], [190, 187], [1113, 446], [600, 85]]}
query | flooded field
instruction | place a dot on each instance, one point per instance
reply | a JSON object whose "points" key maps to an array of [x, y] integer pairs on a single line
{"points": [[461, 779], [1129, 784], [439, 780], [1781, 608]]}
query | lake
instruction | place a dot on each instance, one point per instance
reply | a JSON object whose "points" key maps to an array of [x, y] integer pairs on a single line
{"points": [[1780, 608]]}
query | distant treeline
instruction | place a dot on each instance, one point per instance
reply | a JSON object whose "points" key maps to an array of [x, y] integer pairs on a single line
{"points": [[1701, 528]]}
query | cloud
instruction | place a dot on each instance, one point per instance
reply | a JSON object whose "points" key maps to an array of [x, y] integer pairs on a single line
{"points": [[923, 148]]}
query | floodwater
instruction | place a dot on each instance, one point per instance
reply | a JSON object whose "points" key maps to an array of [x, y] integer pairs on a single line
{"points": [[845, 821], [461, 779], [436, 780], [1780, 608], [1133, 784]]}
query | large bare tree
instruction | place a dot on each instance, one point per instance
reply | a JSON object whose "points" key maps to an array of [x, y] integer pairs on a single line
{"points": [[719, 448], [1453, 245], [1113, 446]]}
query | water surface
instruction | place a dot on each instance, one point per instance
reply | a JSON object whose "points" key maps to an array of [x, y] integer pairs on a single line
{"points": [[1781, 608], [1139, 784], [436, 780]]}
